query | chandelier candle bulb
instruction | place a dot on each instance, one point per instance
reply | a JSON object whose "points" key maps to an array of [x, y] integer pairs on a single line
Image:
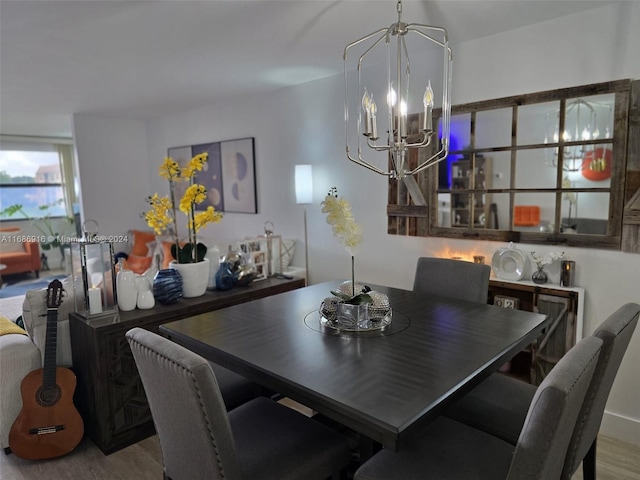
{"points": [[428, 108], [374, 125], [392, 97], [403, 119], [366, 106]]}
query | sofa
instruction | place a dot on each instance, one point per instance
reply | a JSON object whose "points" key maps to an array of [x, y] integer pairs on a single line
{"points": [[21, 353], [18, 257]]}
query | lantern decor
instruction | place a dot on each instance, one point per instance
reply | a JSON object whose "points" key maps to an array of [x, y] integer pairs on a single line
{"points": [[273, 246], [93, 274]]}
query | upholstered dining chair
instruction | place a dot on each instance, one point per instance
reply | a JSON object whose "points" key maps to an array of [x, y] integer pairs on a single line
{"points": [[452, 278], [199, 439], [447, 449], [499, 404], [235, 389]]}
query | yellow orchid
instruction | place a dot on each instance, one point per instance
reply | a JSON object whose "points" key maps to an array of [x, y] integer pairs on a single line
{"points": [[200, 219], [157, 216], [195, 165], [162, 212], [194, 195], [170, 170]]}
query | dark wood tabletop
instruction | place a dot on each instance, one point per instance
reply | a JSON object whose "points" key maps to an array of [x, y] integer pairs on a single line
{"points": [[384, 386]]}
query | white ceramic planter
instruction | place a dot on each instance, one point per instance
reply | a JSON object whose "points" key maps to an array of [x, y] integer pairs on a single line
{"points": [[195, 277]]}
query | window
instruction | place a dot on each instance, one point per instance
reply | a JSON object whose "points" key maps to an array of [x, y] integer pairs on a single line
{"points": [[32, 174], [548, 167]]}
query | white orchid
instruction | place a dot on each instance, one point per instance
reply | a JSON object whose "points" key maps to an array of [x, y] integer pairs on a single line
{"points": [[546, 259], [341, 219], [346, 230]]}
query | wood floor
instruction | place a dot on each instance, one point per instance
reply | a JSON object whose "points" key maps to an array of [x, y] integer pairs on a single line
{"points": [[143, 461]]}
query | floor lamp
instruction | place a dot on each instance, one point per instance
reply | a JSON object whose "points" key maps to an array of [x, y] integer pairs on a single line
{"points": [[304, 196]]}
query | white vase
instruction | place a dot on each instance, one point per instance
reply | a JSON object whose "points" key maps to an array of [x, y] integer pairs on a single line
{"points": [[195, 277], [126, 289], [144, 288]]}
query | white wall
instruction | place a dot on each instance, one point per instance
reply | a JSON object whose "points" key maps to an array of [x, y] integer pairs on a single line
{"points": [[304, 124], [114, 171]]}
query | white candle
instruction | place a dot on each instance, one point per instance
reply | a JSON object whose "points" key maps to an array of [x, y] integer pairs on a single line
{"points": [[95, 301]]}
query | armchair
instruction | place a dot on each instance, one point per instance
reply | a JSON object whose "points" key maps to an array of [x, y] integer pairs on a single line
{"points": [[18, 257]]}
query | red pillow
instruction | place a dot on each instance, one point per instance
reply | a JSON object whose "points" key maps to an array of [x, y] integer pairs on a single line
{"points": [[167, 257], [140, 240], [138, 264]]}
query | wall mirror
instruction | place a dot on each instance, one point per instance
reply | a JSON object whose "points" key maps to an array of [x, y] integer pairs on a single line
{"points": [[556, 167]]}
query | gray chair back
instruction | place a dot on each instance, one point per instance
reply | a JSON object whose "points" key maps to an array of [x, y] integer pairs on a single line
{"points": [[452, 278], [187, 408], [545, 436], [615, 333]]}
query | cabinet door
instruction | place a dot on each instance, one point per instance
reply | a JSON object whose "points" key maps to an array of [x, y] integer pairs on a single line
{"points": [[127, 400], [557, 339], [537, 360]]}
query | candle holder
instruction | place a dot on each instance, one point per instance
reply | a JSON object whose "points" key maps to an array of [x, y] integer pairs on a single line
{"points": [[568, 273], [93, 276]]}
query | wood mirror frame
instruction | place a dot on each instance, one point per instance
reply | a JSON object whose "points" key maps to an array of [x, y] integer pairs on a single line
{"points": [[413, 202]]}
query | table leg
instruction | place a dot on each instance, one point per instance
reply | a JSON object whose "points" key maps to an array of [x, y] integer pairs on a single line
{"points": [[368, 448]]}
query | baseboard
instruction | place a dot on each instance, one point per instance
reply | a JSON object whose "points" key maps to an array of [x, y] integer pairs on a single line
{"points": [[621, 428]]}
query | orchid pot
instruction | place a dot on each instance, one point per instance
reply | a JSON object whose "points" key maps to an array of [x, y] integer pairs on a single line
{"points": [[195, 277]]}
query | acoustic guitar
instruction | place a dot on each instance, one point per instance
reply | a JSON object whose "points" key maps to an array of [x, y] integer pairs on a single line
{"points": [[48, 425]]}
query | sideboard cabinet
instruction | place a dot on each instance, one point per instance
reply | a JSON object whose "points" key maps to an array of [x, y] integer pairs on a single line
{"points": [[566, 307], [109, 395]]}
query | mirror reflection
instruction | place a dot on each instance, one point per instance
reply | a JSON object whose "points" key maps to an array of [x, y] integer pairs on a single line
{"points": [[538, 167]]}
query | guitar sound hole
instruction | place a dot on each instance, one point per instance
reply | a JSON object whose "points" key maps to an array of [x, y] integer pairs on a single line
{"points": [[47, 396]]}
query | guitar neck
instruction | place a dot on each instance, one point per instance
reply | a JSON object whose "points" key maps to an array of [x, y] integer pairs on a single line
{"points": [[51, 343]]}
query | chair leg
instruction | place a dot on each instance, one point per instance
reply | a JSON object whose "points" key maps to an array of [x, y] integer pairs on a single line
{"points": [[589, 463]]}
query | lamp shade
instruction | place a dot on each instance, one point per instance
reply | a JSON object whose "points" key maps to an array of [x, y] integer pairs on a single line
{"points": [[304, 184]]}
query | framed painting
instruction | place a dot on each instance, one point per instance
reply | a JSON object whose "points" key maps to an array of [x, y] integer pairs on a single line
{"points": [[229, 174], [239, 176], [211, 175]]}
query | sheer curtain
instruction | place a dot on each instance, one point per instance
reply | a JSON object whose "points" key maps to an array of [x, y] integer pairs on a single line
{"points": [[65, 152]]}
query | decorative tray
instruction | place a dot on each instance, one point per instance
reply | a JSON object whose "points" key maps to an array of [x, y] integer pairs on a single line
{"points": [[509, 263]]}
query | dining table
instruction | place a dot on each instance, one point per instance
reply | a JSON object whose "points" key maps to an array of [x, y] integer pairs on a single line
{"points": [[385, 385]]}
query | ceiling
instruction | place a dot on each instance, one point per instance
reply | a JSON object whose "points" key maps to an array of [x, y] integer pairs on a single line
{"points": [[141, 59]]}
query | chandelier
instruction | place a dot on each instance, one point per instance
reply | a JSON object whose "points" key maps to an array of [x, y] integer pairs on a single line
{"points": [[580, 126], [388, 132]]}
